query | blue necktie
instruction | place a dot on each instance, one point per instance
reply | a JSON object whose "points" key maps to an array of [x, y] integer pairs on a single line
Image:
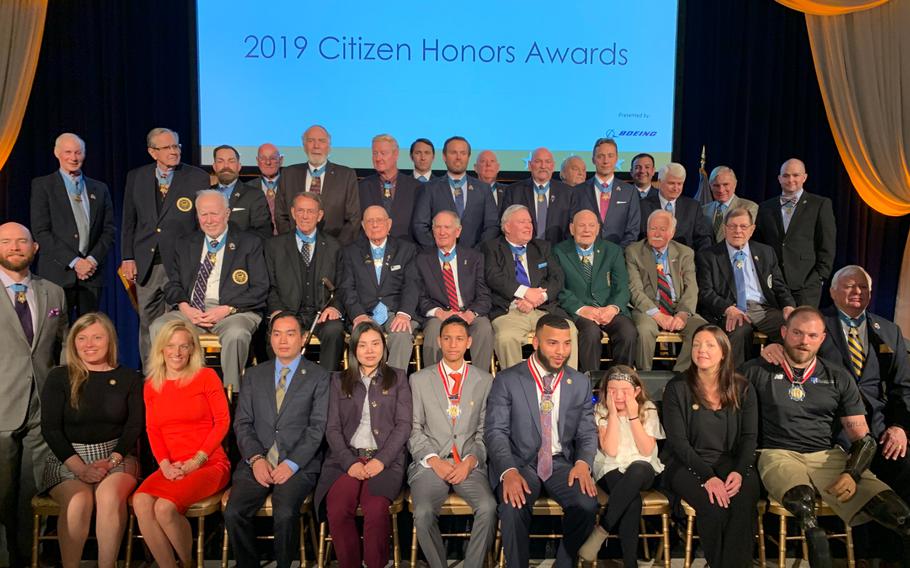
{"points": [[422, 179], [739, 274], [458, 195], [669, 207], [380, 311], [540, 192], [521, 275]]}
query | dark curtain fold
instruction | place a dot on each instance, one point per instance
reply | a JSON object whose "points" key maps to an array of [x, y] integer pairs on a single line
{"points": [[112, 70]]}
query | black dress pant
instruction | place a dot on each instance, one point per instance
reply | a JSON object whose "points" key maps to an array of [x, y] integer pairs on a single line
{"points": [[247, 496], [81, 299], [623, 339], [331, 341], [624, 507]]}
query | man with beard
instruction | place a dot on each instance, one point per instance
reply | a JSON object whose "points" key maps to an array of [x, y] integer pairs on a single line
{"points": [[456, 191], [801, 401], [33, 313], [249, 208], [540, 435]]}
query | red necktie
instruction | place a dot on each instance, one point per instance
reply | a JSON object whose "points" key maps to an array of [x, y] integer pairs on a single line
{"points": [[448, 278], [456, 391]]}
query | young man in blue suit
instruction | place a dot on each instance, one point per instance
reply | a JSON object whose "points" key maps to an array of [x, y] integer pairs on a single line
{"points": [[615, 202], [540, 435]]}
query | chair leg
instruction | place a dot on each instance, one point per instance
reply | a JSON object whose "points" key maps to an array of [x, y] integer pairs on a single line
{"points": [[761, 541], [224, 548], [200, 556], [414, 547], [782, 543], [644, 539], [805, 545], [396, 550], [665, 522], [851, 561], [320, 554], [497, 542], [418, 360], [36, 529], [690, 526], [129, 539]]}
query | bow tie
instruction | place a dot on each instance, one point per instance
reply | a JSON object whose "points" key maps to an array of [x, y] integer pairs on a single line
{"points": [[784, 201]]}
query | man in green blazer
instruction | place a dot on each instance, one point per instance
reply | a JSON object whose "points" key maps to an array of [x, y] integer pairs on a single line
{"points": [[596, 292]]}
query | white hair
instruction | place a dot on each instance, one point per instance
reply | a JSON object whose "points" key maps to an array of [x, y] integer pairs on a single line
{"points": [[157, 132], [453, 214], [720, 170], [672, 169], [204, 192], [848, 270], [385, 138], [511, 210], [68, 136], [659, 212]]}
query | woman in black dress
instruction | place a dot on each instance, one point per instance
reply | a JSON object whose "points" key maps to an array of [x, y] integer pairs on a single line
{"points": [[91, 416], [711, 422]]}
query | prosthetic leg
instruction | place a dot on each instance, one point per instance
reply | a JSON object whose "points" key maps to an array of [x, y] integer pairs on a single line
{"points": [[890, 511], [800, 501]]}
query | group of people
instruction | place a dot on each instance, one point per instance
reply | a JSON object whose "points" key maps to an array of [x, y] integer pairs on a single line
{"points": [[479, 268]]}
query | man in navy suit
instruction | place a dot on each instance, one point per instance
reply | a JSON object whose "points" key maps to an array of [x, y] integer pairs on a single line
{"points": [[692, 227], [456, 191], [379, 283], [157, 212], [465, 294], [280, 424], [549, 201], [249, 208], [572, 172], [389, 188], [487, 168], [540, 435], [218, 281], [73, 222], [422, 153], [615, 202], [802, 229], [269, 160], [642, 172]]}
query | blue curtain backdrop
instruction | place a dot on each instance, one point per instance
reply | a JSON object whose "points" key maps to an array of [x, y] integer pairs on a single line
{"points": [[112, 70]]}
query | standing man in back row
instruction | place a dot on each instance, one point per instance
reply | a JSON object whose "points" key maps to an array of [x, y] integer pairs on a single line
{"points": [[613, 201], [801, 228]]}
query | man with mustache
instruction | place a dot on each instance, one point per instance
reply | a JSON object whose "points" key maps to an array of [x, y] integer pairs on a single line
{"points": [[249, 208], [540, 435], [801, 401], [33, 313]]}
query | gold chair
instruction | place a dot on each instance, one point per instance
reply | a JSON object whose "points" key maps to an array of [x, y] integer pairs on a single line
{"points": [[821, 510], [761, 506], [306, 509], [543, 507], [325, 539], [666, 340], [453, 506], [42, 507], [653, 504]]}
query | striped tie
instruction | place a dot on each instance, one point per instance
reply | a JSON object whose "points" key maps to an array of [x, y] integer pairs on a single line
{"points": [[665, 293], [855, 347], [448, 278], [280, 390], [202, 279], [587, 268]]}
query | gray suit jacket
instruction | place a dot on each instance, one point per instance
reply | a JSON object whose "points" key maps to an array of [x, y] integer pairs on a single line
{"points": [[22, 363], [737, 201], [432, 431], [643, 276], [298, 426]]}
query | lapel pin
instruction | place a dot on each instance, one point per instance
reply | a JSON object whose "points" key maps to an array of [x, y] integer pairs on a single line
{"points": [[112, 382], [695, 406], [875, 325], [91, 196], [231, 246], [569, 381]]}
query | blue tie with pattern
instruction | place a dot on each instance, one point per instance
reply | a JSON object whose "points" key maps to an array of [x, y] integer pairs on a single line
{"points": [[380, 311], [739, 274]]}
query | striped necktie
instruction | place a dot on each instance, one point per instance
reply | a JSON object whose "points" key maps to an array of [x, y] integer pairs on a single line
{"points": [[202, 279], [855, 347], [280, 390], [664, 291]]}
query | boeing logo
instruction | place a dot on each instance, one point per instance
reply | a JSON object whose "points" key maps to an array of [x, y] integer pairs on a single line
{"points": [[612, 133]]}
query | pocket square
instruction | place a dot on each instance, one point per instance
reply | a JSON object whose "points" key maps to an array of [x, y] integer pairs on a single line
{"points": [[621, 202], [53, 313], [239, 209]]}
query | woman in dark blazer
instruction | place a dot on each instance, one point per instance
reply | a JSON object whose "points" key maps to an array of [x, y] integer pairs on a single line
{"points": [[368, 427], [711, 422]]}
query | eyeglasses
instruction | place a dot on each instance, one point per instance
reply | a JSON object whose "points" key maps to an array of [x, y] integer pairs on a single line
{"points": [[268, 159], [172, 147], [738, 227]]}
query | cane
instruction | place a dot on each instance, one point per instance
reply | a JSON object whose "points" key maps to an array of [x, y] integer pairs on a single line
{"points": [[309, 334]]}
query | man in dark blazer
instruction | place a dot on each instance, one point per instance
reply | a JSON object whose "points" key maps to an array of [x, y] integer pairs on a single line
{"points": [[73, 222], [422, 153], [218, 281], [33, 313], [525, 280], [486, 166], [249, 209], [280, 424], [540, 435], [615, 202], [692, 228], [297, 263], [269, 160], [642, 172], [456, 191], [468, 297], [573, 171], [379, 283], [389, 188], [801, 228], [336, 184], [596, 293], [157, 212], [740, 287], [549, 201]]}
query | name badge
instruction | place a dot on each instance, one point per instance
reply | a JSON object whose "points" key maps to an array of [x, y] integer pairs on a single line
{"points": [[395, 267], [542, 265]]}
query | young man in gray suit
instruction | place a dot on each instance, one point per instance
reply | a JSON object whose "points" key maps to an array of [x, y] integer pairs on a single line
{"points": [[33, 311], [280, 423], [450, 401]]}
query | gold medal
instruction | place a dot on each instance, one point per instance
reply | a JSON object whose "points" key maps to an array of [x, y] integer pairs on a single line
{"points": [[270, 193], [112, 382], [20, 297], [163, 189], [213, 256], [457, 192], [454, 411], [77, 198], [546, 406], [797, 393], [541, 197], [388, 193], [739, 265]]}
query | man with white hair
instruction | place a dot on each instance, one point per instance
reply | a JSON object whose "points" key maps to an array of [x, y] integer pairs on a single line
{"points": [[573, 171], [73, 221], [692, 229], [389, 188], [218, 282], [549, 201], [269, 160], [722, 182], [486, 166], [525, 279], [663, 288]]}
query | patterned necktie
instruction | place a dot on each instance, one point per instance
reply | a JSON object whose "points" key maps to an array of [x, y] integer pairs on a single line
{"points": [[316, 183], [380, 311], [855, 347], [81, 218], [521, 275], [448, 278], [788, 207], [542, 206], [545, 453], [719, 216], [458, 195], [604, 193], [202, 278], [306, 246], [163, 184], [455, 400], [669, 208], [664, 290], [23, 311], [587, 267], [280, 391], [739, 275], [270, 195]]}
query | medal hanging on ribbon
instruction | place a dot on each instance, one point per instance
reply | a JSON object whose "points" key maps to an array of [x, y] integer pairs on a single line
{"points": [[454, 398], [546, 402], [797, 392]]}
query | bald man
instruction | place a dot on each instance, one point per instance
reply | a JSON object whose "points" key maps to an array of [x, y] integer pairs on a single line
{"points": [[269, 160], [33, 316], [487, 168], [549, 201], [73, 220], [801, 228]]}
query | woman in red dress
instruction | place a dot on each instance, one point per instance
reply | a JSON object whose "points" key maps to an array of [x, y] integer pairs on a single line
{"points": [[187, 418]]}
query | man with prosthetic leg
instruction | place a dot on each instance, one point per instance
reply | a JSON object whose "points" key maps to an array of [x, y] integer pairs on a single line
{"points": [[801, 397]]}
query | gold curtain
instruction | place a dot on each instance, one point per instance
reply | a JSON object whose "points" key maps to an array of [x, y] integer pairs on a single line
{"points": [[22, 24], [860, 53]]}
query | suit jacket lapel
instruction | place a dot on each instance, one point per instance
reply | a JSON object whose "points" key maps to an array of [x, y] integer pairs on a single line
{"points": [[565, 398], [390, 250], [293, 254], [650, 266], [439, 392], [463, 277], [40, 310], [227, 260], [8, 312], [600, 257], [93, 207], [837, 334], [726, 271], [530, 389], [674, 270]]}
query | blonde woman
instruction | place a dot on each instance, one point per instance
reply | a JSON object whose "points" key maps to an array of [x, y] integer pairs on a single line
{"points": [[91, 416], [186, 419]]}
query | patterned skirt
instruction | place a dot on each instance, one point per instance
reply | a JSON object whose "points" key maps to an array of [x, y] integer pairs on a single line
{"points": [[56, 472]]}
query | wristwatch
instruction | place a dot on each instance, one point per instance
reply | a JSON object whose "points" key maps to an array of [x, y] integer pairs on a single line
{"points": [[233, 311], [255, 459]]}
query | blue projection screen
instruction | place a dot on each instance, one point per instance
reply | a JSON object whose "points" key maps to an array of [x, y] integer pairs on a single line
{"points": [[509, 76]]}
